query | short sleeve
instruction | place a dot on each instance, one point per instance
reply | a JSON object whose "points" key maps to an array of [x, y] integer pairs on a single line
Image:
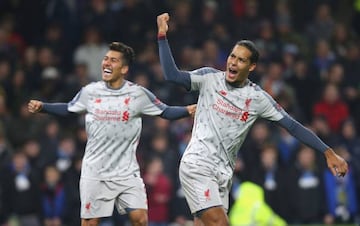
{"points": [[79, 102], [150, 104], [198, 76], [269, 109]]}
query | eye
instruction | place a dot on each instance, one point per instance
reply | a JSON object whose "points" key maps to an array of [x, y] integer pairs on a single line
{"points": [[114, 60]]}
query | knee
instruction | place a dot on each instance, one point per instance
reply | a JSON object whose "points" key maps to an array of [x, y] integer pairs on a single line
{"points": [[219, 221], [139, 220], [215, 217], [90, 222]]}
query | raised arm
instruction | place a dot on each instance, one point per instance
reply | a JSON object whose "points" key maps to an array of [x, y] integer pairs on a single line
{"points": [[335, 163], [35, 106], [171, 71]]}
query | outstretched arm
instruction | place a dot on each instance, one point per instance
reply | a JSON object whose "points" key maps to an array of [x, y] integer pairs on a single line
{"points": [[171, 71], [176, 112], [335, 163], [35, 106]]}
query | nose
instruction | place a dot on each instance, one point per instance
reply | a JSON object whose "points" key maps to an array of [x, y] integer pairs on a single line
{"points": [[232, 62], [106, 62]]}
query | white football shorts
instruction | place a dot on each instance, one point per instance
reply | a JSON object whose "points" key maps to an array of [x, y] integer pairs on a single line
{"points": [[204, 188], [99, 197]]}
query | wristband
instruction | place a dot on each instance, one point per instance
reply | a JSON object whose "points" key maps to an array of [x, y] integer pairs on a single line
{"points": [[161, 36]]}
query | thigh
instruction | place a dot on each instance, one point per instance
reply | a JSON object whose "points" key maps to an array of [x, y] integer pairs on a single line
{"points": [[132, 197], [200, 187], [97, 198]]}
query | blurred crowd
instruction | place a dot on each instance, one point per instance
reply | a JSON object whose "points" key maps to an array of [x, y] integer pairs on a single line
{"points": [[309, 63]]}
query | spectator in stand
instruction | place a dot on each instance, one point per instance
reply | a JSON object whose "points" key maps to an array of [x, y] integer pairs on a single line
{"points": [[271, 177], [287, 146], [91, 51], [301, 82], [53, 197], [350, 139], [259, 134], [340, 38], [305, 179], [160, 147], [21, 192], [323, 24], [268, 43], [341, 194], [71, 185], [323, 58], [159, 189], [17, 91], [332, 107], [248, 20]]}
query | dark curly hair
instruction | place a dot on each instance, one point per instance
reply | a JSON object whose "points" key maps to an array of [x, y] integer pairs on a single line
{"points": [[127, 52]]}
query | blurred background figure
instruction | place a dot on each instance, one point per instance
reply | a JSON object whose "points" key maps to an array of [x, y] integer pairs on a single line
{"points": [[250, 208], [341, 194], [271, 177], [21, 192], [159, 189], [305, 179], [53, 197]]}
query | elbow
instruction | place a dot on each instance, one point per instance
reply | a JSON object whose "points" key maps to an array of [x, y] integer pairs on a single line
{"points": [[166, 77]]}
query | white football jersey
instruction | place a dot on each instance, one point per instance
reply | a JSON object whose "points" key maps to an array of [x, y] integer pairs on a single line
{"points": [[224, 115], [113, 126]]}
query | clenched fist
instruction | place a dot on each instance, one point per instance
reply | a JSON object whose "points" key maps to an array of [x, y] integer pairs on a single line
{"points": [[162, 22], [34, 106], [191, 109]]}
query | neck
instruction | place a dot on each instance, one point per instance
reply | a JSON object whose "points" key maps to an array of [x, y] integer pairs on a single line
{"points": [[115, 84], [239, 84]]}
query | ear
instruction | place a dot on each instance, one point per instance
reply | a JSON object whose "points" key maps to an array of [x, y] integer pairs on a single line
{"points": [[252, 67], [124, 69]]}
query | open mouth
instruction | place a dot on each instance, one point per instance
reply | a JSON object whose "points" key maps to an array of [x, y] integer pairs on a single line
{"points": [[232, 73], [107, 71]]}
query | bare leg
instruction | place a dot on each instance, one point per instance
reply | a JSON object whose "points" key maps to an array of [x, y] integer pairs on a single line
{"points": [[90, 222], [138, 217], [198, 222], [214, 216]]}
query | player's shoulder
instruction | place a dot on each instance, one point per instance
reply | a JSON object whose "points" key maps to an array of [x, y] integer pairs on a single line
{"points": [[136, 88], [255, 90], [92, 86], [205, 71], [254, 87], [133, 86]]}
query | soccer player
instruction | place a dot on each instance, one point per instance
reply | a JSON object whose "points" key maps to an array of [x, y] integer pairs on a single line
{"points": [[228, 105], [114, 107]]}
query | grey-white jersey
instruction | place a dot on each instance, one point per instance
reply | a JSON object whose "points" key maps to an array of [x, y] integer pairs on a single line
{"points": [[223, 118], [113, 125]]}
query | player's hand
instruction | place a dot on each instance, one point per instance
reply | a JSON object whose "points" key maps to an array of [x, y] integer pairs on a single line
{"points": [[162, 23], [335, 163], [35, 106], [191, 109]]}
